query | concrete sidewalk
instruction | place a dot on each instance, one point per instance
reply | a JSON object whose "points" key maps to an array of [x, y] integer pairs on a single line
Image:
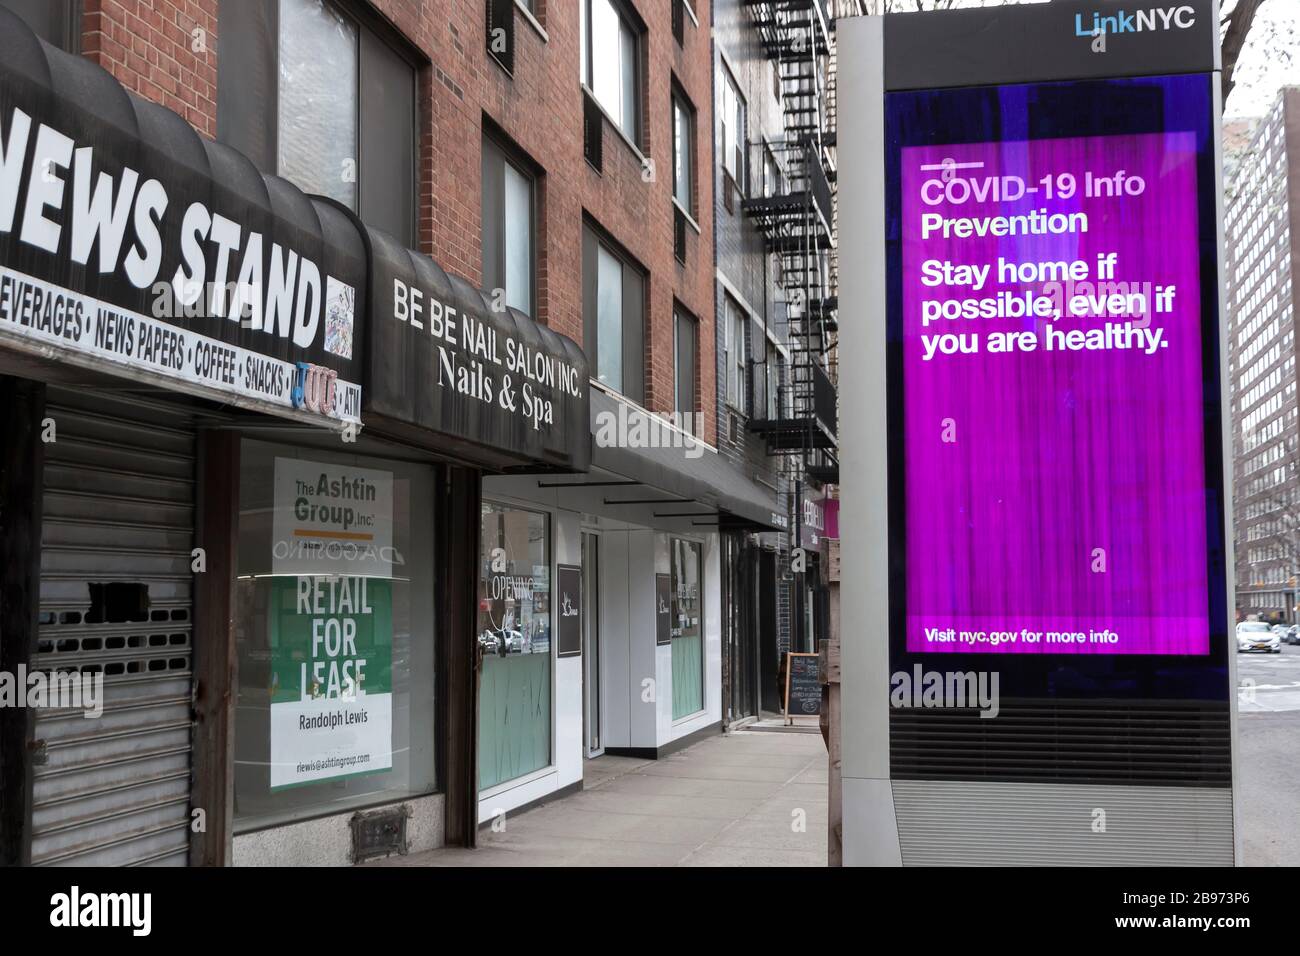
{"points": [[745, 799]]}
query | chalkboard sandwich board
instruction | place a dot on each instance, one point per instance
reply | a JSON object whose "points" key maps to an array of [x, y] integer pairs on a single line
{"points": [[803, 689]]}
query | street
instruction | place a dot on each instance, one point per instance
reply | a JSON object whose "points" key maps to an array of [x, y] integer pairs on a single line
{"points": [[1269, 683], [1268, 762]]}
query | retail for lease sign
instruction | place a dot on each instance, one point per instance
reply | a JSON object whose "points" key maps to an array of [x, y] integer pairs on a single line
{"points": [[331, 678], [332, 519], [331, 622]]}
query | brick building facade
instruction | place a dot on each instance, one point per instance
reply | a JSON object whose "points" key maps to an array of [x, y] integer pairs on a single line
{"points": [[169, 51]]}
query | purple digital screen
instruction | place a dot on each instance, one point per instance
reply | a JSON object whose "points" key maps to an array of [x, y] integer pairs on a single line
{"points": [[1052, 373]]}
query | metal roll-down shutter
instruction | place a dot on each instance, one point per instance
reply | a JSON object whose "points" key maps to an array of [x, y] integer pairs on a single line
{"points": [[116, 597]]}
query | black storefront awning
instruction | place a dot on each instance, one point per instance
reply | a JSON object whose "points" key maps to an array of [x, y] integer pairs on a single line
{"points": [[447, 364], [665, 460], [133, 247]]}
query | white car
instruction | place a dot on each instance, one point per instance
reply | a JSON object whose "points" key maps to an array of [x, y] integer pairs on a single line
{"points": [[1257, 636]]}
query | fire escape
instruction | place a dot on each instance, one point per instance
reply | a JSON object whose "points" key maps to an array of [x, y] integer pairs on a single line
{"points": [[791, 203]]}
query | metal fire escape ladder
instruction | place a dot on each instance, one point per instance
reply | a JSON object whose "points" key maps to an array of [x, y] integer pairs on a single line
{"points": [[793, 208]]}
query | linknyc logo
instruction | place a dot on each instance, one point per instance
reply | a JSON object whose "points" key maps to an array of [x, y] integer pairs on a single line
{"points": [[1145, 20]]}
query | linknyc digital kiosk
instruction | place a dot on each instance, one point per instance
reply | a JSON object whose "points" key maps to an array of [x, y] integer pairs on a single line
{"points": [[1036, 545]]}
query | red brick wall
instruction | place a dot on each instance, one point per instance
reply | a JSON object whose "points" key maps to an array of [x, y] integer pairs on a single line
{"points": [[164, 50], [148, 45]]}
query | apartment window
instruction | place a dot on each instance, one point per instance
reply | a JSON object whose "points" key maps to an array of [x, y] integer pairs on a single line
{"points": [[57, 22], [683, 152], [684, 364], [611, 62], [735, 353], [509, 257], [771, 174], [772, 382], [318, 121], [613, 312], [312, 93], [733, 129]]}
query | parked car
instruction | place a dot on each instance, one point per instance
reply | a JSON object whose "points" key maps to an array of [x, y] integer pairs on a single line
{"points": [[1258, 636], [1292, 635], [501, 643]]}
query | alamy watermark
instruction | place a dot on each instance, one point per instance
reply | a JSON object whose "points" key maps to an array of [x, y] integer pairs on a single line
{"points": [[635, 428], [946, 689], [55, 690], [76, 909]]}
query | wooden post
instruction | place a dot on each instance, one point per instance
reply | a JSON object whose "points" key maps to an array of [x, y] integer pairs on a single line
{"points": [[215, 661], [22, 460], [459, 527]]}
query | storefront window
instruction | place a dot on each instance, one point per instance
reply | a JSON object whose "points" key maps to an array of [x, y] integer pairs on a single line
{"points": [[687, 632], [334, 631], [514, 631]]}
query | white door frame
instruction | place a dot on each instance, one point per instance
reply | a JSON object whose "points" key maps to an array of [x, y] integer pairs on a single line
{"points": [[590, 619]]}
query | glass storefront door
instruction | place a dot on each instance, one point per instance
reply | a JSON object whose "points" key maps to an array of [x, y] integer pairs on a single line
{"points": [[514, 632]]}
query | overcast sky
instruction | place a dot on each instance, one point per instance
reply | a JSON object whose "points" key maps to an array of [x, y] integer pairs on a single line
{"points": [[1270, 60]]}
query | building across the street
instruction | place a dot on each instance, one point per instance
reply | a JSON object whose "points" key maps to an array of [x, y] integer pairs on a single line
{"points": [[1265, 433], [360, 370], [776, 305]]}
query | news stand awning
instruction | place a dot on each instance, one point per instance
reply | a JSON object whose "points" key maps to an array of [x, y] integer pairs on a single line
{"points": [[132, 248], [664, 477]]}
